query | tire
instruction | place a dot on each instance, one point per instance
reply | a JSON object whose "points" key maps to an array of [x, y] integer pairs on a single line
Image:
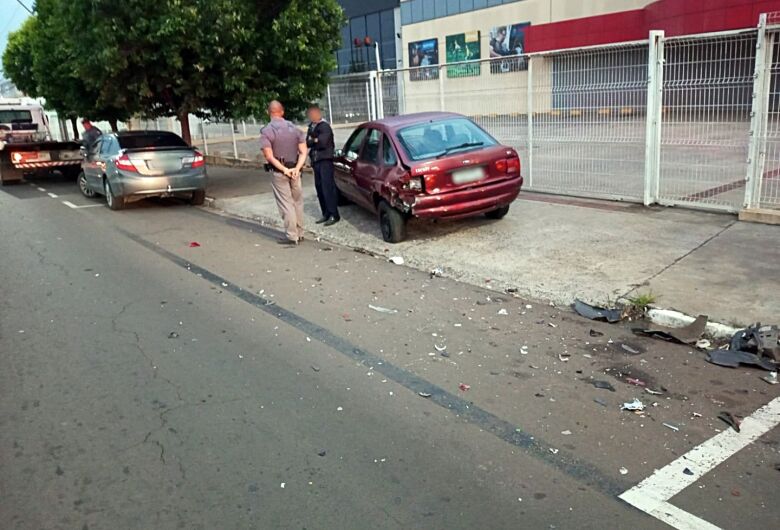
{"points": [[113, 202], [198, 197], [84, 188], [498, 213], [392, 223]]}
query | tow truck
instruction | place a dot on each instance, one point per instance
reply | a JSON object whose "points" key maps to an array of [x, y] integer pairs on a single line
{"points": [[26, 144]]}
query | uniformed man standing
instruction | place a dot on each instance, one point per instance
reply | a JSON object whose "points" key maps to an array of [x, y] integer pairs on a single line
{"points": [[319, 140], [284, 147]]}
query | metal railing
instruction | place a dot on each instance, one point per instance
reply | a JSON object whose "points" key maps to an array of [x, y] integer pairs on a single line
{"points": [[691, 121]]}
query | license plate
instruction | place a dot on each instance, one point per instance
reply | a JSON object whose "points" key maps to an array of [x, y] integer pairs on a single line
{"points": [[164, 166], [472, 174]]}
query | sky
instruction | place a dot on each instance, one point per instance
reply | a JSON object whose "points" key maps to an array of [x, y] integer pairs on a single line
{"points": [[11, 17]]}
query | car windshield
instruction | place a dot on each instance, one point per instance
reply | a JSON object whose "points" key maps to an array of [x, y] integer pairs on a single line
{"points": [[151, 140], [439, 138], [15, 116]]}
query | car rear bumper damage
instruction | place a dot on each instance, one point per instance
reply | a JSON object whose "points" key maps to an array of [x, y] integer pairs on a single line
{"points": [[467, 203]]}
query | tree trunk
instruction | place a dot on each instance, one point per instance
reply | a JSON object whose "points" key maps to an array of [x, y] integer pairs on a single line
{"points": [[75, 128], [184, 121], [113, 123]]}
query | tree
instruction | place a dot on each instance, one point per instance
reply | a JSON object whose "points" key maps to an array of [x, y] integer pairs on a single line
{"points": [[18, 57]]}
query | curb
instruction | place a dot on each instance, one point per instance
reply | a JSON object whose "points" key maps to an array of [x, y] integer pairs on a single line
{"points": [[676, 319]]}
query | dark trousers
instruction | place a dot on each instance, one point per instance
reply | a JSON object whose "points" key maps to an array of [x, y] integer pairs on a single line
{"points": [[326, 188]]}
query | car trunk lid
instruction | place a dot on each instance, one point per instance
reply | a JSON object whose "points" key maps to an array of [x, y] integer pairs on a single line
{"points": [[161, 161], [467, 169]]}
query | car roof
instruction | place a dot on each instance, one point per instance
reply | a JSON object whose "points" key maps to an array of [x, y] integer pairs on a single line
{"points": [[122, 134], [397, 122]]}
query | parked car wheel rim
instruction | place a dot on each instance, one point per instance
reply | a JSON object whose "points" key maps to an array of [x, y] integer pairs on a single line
{"points": [[109, 197], [83, 186]]}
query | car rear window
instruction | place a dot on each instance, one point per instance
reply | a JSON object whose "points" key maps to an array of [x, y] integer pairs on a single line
{"points": [[438, 138], [142, 141], [15, 116]]}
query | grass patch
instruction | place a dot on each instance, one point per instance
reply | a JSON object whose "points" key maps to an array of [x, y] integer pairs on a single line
{"points": [[642, 300]]}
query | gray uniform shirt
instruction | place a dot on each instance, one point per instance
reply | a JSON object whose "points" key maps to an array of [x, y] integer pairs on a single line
{"points": [[283, 138]]}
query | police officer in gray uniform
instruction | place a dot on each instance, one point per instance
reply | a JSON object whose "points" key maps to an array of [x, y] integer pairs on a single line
{"points": [[284, 147]]}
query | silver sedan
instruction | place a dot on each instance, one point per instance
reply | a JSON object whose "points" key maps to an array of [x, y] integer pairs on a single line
{"points": [[132, 165]]}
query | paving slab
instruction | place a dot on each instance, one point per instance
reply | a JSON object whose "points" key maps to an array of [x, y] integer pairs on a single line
{"points": [[559, 248]]}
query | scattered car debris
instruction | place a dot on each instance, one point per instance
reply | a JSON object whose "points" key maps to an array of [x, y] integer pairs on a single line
{"points": [[322, 453], [424, 394], [733, 358], [689, 334], [566, 433], [600, 402], [436, 272], [703, 344], [623, 471], [770, 378], [634, 405], [564, 357], [670, 426], [503, 311], [553, 450], [315, 367], [653, 392], [635, 381], [728, 418], [605, 385], [630, 349], [173, 335], [594, 333], [687, 471], [464, 387], [194, 244], [598, 313], [552, 325], [761, 340], [380, 309], [397, 260], [440, 348]]}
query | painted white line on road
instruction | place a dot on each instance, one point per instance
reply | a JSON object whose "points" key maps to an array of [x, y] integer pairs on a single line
{"points": [[652, 494], [52, 195], [42, 189], [77, 207]]}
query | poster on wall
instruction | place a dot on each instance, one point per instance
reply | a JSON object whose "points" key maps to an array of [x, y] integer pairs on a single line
{"points": [[506, 43], [424, 53], [463, 47]]}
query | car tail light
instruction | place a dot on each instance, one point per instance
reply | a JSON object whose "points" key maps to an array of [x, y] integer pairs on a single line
{"points": [[196, 160], [124, 163], [501, 165], [513, 165], [412, 183]]}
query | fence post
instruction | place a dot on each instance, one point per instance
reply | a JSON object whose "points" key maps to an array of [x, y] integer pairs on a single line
{"points": [[759, 114], [233, 138], [243, 126], [530, 120], [441, 88], [203, 134], [380, 100], [655, 72], [330, 107]]}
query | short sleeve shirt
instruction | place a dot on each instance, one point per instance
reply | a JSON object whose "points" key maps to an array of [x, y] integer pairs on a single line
{"points": [[283, 138]]}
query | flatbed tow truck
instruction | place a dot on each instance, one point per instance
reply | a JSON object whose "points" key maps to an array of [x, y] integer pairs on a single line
{"points": [[26, 144]]}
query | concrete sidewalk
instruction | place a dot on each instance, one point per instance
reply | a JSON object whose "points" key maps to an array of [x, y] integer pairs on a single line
{"points": [[558, 249]]}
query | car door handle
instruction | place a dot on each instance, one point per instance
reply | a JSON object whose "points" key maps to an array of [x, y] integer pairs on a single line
{"points": [[344, 167]]}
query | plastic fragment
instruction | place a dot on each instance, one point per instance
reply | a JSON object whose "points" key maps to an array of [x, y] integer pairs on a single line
{"points": [[623, 471], [604, 385], [770, 378], [728, 418], [633, 405], [380, 309], [672, 427], [634, 381], [194, 244], [424, 394], [503, 312], [464, 387], [397, 260]]}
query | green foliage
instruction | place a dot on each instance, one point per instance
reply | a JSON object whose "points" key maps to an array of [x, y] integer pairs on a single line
{"points": [[643, 300], [18, 57], [108, 60]]}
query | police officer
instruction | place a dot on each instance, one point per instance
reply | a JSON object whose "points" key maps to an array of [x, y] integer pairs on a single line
{"points": [[91, 134], [319, 140], [284, 147]]}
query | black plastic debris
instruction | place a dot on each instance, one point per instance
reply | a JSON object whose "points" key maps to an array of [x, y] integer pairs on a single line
{"points": [[755, 345], [605, 385], [687, 334], [593, 312], [729, 419], [687, 471], [594, 333], [732, 359], [173, 335]]}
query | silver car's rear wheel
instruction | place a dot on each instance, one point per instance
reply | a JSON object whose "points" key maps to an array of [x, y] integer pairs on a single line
{"points": [[113, 202], [84, 188]]}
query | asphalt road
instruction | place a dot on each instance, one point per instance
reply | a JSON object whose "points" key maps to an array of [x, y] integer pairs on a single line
{"points": [[145, 383]]}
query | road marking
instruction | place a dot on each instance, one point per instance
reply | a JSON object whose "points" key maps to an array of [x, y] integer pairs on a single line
{"points": [[42, 189], [652, 494], [77, 207], [52, 195]]}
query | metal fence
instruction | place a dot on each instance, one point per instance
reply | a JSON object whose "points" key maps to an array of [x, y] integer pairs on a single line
{"points": [[690, 121]]}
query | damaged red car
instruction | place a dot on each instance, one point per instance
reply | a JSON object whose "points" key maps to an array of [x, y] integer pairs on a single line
{"points": [[432, 165]]}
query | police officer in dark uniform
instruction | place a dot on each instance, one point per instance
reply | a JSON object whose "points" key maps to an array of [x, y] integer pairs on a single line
{"points": [[319, 140]]}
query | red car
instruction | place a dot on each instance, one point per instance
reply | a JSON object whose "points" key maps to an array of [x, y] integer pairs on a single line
{"points": [[435, 165]]}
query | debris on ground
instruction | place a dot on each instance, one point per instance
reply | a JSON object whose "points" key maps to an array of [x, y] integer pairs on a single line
{"points": [[670, 426], [770, 378], [594, 333], [689, 334], [173, 335], [623, 471], [687, 471], [605, 385], [703, 344], [322, 453], [436, 272], [380, 309], [598, 313], [630, 349], [315, 367], [755, 345], [194, 244], [635, 381], [464, 387], [397, 260], [728, 418], [424, 394], [503, 312], [600, 402], [653, 392], [634, 405], [566, 433]]}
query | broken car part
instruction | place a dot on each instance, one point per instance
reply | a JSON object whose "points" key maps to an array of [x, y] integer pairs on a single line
{"points": [[689, 334], [597, 313]]}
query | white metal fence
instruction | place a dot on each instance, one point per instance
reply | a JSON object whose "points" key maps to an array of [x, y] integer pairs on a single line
{"points": [[691, 121]]}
